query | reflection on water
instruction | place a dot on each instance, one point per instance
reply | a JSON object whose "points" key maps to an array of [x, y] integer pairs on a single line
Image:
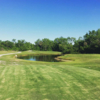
{"points": [[47, 58]]}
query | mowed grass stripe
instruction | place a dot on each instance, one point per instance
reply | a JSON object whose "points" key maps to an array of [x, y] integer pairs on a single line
{"points": [[1, 81], [57, 84], [5, 82], [87, 82], [10, 83], [23, 83], [66, 88], [49, 88]]}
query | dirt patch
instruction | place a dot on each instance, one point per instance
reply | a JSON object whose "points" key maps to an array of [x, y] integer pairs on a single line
{"points": [[8, 99], [63, 60], [3, 81], [2, 62]]}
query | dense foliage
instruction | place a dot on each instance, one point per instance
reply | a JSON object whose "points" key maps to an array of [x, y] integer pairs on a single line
{"points": [[89, 43], [20, 45]]}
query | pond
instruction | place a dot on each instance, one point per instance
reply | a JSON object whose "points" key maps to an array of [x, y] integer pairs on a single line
{"points": [[47, 58]]}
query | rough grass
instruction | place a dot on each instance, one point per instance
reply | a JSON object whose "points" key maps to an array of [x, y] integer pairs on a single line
{"points": [[28, 80], [5, 52], [90, 61]]}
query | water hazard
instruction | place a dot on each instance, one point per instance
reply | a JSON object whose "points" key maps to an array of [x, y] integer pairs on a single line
{"points": [[47, 58]]}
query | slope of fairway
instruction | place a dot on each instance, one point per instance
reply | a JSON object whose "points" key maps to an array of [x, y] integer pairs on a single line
{"points": [[28, 80]]}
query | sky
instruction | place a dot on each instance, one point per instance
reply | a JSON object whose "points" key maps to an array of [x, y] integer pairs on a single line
{"points": [[37, 19]]}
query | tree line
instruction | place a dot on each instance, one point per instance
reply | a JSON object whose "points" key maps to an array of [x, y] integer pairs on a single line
{"points": [[89, 43], [20, 45]]}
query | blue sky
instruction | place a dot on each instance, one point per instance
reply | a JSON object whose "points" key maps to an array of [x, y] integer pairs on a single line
{"points": [[38, 19]]}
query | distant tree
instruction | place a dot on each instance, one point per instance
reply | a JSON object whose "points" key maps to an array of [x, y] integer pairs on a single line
{"points": [[14, 41]]}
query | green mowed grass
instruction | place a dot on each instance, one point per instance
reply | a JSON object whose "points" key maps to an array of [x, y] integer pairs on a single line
{"points": [[28, 80]]}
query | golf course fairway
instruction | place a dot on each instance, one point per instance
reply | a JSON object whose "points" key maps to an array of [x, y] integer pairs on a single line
{"points": [[76, 78]]}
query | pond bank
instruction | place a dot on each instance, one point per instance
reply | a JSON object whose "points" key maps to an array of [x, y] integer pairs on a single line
{"points": [[47, 56]]}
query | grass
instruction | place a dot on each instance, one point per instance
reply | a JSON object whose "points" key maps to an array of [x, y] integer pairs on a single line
{"points": [[4, 52], [39, 53], [90, 61], [71, 80]]}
